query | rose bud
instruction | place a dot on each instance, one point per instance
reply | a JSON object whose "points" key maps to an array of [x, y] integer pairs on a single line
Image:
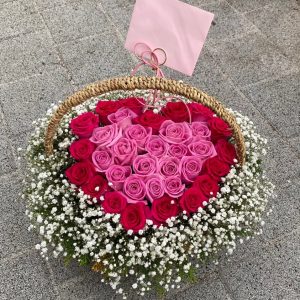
{"points": [[82, 149], [169, 166], [164, 208], [156, 146], [124, 151], [84, 125], [190, 167], [134, 188], [95, 187], [106, 136], [140, 134], [202, 149], [175, 133], [155, 187], [133, 217], [178, 150], [114, 202], [80, 172], [144, 165], [191, 200], [123, 117], [117, 175], [102, 159], [174, 186]]}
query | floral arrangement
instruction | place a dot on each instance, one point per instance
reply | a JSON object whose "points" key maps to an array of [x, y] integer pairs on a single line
{"points": [[142, 192]]}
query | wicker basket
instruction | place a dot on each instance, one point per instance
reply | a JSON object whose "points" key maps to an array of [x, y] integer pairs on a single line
{"points": [[144, 83]]}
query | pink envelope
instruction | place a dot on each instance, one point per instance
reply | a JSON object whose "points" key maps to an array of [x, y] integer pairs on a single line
{"points": [[178, 28]]}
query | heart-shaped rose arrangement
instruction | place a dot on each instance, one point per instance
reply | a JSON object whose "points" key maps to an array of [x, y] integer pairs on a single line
{"points": [[148, 165]]}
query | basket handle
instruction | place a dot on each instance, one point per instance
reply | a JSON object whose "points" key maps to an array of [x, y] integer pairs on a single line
{"points": [[140, 82]]}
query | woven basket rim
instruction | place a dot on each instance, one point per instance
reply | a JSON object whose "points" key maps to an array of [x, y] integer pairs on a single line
{"points": [[127, 83]]}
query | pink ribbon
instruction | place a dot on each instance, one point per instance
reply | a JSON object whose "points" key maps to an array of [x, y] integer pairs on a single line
{"points": [[150, 58], [154, 59]]}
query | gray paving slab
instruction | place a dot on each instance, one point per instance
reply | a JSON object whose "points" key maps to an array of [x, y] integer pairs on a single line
{"points": [[120, 13], [28, 99], [273, 274], [278, 100], [65, 272], [45, 4], [26, 55], [228, 23], [89, 285], [249, 63], [209, 78], [94, 58], [19, 144], [25, 277], [280, 23], [286, 210], [14, 237], [281, 162], [7, 160], [10, 187], [210, 288], [18, 17], [246, 6], [295, 143], [251, 58], [75, 20]]}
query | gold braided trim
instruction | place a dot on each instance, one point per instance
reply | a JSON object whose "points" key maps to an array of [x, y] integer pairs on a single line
{"points": [[139, 82]]}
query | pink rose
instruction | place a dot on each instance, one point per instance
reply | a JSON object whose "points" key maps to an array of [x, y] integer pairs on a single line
{"points": [[178, 150], [138, 133], [200, 130], [203, 149], [169, 166], [174, 186], [102, 159], [124, 150], [144, 165], [123, 117], [156, 146], [117, 175], [134, 188], [190, 168], [106, 136], [155, 187], [175, 133]]}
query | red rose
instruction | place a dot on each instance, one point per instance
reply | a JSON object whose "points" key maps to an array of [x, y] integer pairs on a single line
{"points": [[84, 124], [82, 149], [219, 129], [150, 119], [192, 199], [114, 202], [216, 168], [226, 151], [134, 217], [199, 112], [105, 108], [207, 185], [80, 172], [176, 111], [95, 187], [164, 208], [135, 104]]}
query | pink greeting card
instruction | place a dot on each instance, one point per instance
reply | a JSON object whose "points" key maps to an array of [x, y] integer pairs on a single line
{"points": [[178, 28]]}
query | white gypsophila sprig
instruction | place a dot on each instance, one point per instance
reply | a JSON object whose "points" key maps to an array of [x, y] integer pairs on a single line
{"points": [[71, 225]]}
